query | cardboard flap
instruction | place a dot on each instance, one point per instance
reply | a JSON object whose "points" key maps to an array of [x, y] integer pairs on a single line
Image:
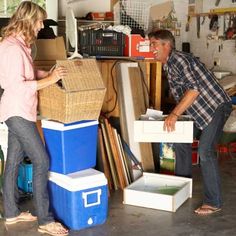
{"points": [[83, 74], [50, 49]]}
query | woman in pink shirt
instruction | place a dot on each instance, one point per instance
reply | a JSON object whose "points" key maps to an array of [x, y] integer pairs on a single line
{"points": [[18, 109]]}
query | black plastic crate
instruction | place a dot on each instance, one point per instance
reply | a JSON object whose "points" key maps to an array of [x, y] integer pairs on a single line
{"points": [[101, 42]]}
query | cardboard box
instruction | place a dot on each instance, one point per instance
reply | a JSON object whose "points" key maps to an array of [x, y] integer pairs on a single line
{"points": [[158, 191], [152, 131], [101, 16], [79, 200], [48, 51], [71, 147], [78, 96], [137, 46], [44, 65]]}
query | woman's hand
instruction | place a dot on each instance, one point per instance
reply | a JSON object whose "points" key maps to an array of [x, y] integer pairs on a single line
{"points": [[53, 76], [58, 73]]}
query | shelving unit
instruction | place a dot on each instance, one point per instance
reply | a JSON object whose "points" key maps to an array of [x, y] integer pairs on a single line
{"points": [[232, 12]]}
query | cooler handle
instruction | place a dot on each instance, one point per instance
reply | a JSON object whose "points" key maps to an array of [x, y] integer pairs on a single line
{"points": [[85, 194]]}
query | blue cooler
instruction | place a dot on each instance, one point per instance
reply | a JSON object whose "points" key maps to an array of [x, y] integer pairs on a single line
{"points": [[79, 200], [233, 100], [25, 177], [71, 147]]}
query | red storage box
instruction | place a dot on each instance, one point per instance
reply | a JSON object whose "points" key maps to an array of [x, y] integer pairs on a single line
{"points": [[195, 155], [137, 46]]}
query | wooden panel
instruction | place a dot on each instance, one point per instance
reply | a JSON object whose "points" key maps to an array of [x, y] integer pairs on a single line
{"points": [[109, 155], [152, 76], [104, 158], [132, 105], [138, 87], [110, 105], [155, 84]]}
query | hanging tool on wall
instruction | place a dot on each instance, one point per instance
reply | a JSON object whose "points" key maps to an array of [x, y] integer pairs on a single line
{"points": [[214, 23], [231, 30], [224, 25], [188, 23], [217, 3], [203, 20], [198, 18], [220, 44]]}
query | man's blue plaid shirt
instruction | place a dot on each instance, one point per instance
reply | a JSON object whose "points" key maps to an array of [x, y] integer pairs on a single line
{"points": [[186, 72]]}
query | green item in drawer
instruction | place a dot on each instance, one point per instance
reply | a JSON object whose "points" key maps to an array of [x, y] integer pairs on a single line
{"points": [[168, 190]]}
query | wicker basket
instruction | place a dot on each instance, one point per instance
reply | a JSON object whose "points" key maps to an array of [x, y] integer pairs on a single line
{"points": [[79, 96]]}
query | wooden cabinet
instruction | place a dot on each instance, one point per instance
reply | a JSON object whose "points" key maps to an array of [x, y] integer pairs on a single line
{"points": [[152, 74]]}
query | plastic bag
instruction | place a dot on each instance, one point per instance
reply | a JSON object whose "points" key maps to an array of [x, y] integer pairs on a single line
{"points": [[230, 124]]}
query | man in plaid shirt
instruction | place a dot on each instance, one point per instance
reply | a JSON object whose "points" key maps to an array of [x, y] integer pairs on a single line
{"points": [[197, 94]]}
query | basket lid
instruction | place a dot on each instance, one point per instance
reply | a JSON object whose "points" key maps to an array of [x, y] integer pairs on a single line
{"points": [[83, 74]]}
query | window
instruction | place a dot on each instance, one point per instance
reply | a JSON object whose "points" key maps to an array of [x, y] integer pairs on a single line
{"points": [[7, 7]]}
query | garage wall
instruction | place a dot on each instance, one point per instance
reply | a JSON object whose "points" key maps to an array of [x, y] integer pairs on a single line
{"points": [[201, 47], [82, 7], [207, 50]]}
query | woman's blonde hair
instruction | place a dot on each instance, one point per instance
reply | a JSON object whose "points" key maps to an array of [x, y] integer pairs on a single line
{"points": [[24, 20]]}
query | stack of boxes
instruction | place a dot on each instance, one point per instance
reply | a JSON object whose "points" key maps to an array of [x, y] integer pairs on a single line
{"points": [[78, 193]]}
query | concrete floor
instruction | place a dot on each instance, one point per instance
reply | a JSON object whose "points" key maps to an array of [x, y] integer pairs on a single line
{"points": [[129, 220]]}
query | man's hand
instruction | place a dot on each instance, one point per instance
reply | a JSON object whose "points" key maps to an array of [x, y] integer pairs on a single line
{"points": [[188, 98], [169, 123]]}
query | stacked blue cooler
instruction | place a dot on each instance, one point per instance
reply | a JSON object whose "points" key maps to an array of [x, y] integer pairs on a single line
{"points": [[78, 193]]}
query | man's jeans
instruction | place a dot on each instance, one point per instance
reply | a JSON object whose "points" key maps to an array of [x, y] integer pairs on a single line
{"points": [[24, 140], [208, 159]]}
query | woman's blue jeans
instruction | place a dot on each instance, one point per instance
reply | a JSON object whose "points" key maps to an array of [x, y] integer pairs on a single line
{"points": [[24, 140], [208, 140]]}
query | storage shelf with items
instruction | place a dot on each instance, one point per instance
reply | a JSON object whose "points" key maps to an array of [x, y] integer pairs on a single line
{"points": [[99, 42], [217, 11]]}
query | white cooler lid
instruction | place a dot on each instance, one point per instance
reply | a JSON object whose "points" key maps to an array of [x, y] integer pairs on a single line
{"points": [[48, 124], [84, 179]]}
